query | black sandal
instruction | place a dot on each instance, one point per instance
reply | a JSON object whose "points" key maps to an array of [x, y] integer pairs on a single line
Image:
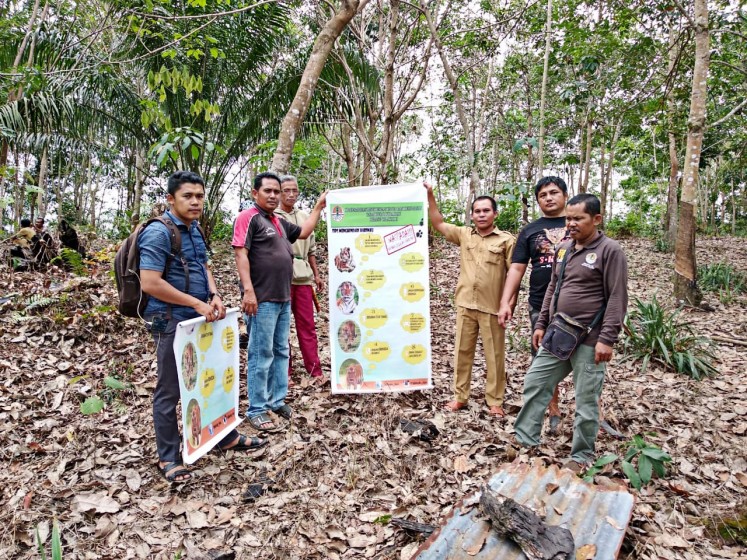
{"points": [[284, 411], [261, 420], [175, 472], [254, 444]]}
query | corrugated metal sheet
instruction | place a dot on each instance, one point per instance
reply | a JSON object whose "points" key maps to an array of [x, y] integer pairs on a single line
{"points": [[593, 514]]}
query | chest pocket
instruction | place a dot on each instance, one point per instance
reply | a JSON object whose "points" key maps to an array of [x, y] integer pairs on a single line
{"points": [[472, 252], [494, 255]]}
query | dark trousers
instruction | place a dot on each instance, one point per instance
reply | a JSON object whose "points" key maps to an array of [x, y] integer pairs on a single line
{"points": [[166, 397]]}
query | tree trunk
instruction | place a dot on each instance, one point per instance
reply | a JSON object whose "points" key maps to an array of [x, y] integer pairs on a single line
{"points": [[139, 178], [607, 169], [474, 177], [685, 270], [293, 120], [670, 219], [543, 93], [587, 160], [41, 182]]}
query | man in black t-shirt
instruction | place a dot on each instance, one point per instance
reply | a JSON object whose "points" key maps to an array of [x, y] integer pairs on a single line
{"points": [[537, 243]]}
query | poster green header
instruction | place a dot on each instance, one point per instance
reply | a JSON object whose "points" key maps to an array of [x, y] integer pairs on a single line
{"points": [[376, 215]]}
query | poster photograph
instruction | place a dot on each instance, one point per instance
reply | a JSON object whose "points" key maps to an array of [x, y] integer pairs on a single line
{"points": [[378, 289], [207, 361]]}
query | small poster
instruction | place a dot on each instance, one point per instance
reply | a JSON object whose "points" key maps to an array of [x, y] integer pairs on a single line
{"points": [[207, 360], [379, 300]]}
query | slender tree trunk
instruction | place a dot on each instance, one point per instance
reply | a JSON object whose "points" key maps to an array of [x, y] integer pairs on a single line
{"points": [[670, 219], [41, 182], [543, 93], [474, 177], [607, 170], [293, 120], [685, 270], [587, 159], [139, 178]]}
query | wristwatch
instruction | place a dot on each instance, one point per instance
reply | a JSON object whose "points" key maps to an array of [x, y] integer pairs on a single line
{"points": [[211, 295]]}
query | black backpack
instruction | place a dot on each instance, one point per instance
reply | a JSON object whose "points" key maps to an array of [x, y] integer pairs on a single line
{"points": [[132, 300]]}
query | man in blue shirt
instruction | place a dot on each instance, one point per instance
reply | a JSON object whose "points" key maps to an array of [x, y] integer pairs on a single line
{"points": [[175, 297]]}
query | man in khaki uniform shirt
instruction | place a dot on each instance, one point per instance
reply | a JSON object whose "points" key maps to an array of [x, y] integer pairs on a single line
{"points": [[485, 257]]}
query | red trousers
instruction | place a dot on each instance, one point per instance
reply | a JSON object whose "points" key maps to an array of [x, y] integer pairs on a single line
{"points": [[302, 307]]}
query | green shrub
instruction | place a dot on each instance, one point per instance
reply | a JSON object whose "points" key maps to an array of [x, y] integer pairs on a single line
{"points": [[320, 232], [653, 333], [633, 224], [662, 244], [641, 461], [723, 279]]}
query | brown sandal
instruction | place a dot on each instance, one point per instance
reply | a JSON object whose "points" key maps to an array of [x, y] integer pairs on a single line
{"points": [[453, 406], [496, 410]]}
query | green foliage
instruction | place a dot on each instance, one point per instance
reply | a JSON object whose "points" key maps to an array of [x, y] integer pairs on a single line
{"points": [[72, 260], [37, 301], [662, 244], [633, 224], [723, 279], [56, 542], [654, 334], [223, 228], [320, 232], [92, 405], [641, 461]]}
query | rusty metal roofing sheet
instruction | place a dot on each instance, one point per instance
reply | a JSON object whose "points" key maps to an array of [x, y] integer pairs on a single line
{"points": [[593, 514]]}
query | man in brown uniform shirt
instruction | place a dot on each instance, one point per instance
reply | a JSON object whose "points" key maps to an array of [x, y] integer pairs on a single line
{"points": [[485, 257], [596, 273]]}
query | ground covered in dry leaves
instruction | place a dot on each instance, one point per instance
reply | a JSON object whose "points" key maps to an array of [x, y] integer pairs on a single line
{"points": [[343, 466]]}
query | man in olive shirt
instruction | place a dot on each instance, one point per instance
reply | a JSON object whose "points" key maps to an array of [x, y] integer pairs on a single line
{"points": [[305, 278], [485, 257], [595, 278]]}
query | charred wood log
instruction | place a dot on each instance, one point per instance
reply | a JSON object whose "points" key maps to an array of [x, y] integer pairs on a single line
{"points": [[537, 539]]}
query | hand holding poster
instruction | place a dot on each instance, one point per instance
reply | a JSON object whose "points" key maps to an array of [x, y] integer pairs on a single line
{"points": [[378, 295], [207, 361]]}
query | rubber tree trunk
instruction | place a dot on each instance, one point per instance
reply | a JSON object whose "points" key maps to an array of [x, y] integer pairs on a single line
{"points": [[670, 219], [320, 51], [685, 270]]}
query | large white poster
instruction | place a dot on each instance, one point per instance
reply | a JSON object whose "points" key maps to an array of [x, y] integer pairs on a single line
{"points": [[207, 359], [379, 301]]}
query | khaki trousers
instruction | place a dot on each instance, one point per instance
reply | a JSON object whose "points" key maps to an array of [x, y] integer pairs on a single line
{"points": [[470, 323]]}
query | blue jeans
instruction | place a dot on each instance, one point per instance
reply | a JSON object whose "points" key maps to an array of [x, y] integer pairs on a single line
{"points": [[268, 354]]}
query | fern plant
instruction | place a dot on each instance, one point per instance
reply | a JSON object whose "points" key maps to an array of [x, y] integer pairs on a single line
{"points": [[72, 260]]}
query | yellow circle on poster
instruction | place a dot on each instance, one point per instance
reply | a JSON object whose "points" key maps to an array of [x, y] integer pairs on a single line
{"points": [[373, 318], [228, 339], [414, 353], [372, 279], [205, 336], [412, 322], [413, 291], [369, 243], [412, 262], [207, 382], [377, 351], [228, 378]]}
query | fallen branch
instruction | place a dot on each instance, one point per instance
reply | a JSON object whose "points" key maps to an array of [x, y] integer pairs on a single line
{"points": [[412, 526], [729, 340], [537, 539]]}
